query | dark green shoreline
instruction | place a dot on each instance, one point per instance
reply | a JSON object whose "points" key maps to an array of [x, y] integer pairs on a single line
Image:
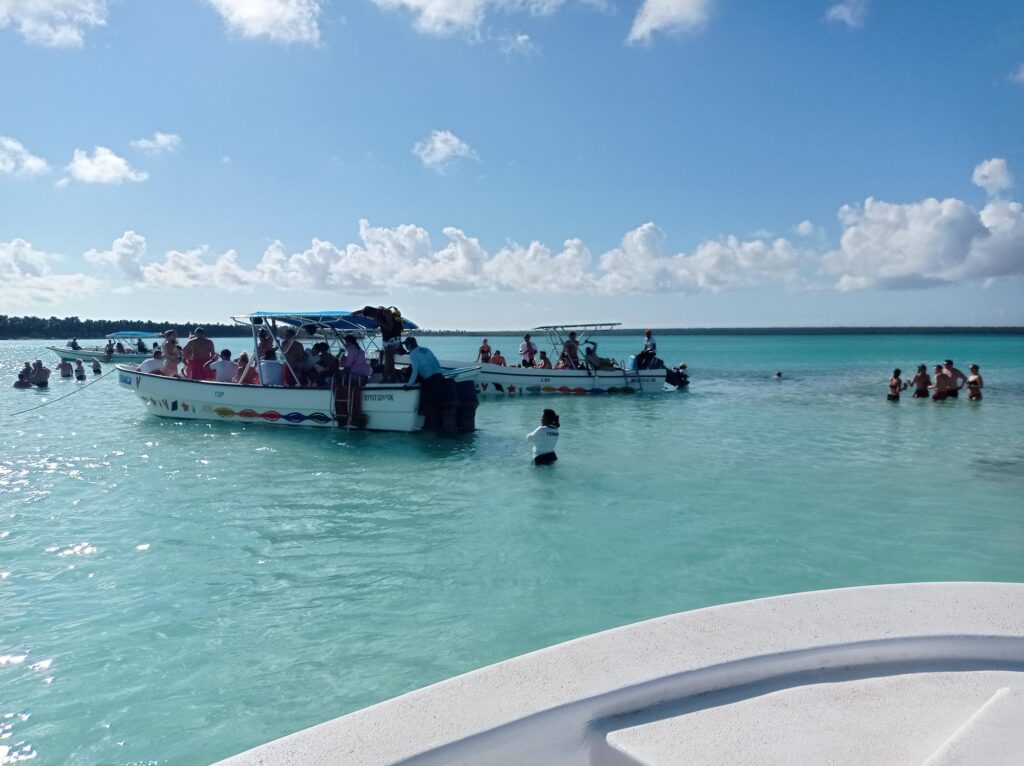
{"points": [[54, 328]]}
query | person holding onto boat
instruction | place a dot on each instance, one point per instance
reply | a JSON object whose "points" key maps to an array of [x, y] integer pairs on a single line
{"points": [[483, 354], [974, 384], [921, 382], [40, 377], [66, 370], [570, 353], [955, 376], [426, 370], [154, 365], [544, 438], [79, 371], [198, 353], [544, 363], [498, 359], [527, 351], [895, 386], [357, 370], [224, 370]]}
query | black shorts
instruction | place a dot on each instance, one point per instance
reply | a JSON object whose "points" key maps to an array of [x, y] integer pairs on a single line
{"points": [[952, 393], [43, 384], [546, 458], [920, 394], [893, 397]]}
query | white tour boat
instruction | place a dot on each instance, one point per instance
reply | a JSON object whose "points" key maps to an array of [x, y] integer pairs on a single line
{"points": [[376, 406], [606, 377], [131, 341]]}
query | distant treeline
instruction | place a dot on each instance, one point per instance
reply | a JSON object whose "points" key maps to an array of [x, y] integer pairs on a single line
{"points": [[55, 328]]}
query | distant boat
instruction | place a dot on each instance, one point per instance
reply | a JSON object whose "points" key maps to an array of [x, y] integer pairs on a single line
{"points": [[377, 406], [129, 339], [606, 377]]}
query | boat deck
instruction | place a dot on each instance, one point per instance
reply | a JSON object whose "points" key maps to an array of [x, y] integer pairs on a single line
{"points": [[899, 674]]}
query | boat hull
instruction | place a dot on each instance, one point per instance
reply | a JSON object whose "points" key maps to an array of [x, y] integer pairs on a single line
{"points": [[387, 407], [88, 354], [494, 379]]}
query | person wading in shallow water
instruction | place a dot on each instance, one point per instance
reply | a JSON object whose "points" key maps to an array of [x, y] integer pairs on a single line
{"points": [[544, 438]]}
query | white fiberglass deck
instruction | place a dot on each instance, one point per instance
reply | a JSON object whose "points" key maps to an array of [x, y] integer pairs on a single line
{"points": [[899, 674]]}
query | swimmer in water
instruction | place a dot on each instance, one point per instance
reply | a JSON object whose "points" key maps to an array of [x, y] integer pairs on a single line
{"points": [[778, 375], [895, 386]]}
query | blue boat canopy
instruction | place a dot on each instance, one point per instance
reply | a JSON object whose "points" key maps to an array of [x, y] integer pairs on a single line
{"points": [[338, 320], [133, 334]]}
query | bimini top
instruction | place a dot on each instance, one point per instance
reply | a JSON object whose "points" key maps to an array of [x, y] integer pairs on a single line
{"points": [[337, 320], [590, 327], [133, 334]]}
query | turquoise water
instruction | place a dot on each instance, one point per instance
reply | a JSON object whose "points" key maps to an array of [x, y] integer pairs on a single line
{"points": [[177, 592]]}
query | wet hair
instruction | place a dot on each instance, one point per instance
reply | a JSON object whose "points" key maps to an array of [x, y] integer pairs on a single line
{"points": [[549, 418], [897, 372], [949, 362], [922, 367], [938, 367], [973, 367]]}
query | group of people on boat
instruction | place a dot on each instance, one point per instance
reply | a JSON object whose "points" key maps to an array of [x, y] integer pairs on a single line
{"points": [[116, 347], [948, 381], [569, 357]]}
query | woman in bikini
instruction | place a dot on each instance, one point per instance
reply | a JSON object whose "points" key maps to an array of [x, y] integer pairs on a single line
{"points": [[895, 386], [974, 384]]}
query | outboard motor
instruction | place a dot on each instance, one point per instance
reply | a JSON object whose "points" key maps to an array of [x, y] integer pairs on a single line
{"points": [[678, 377]]}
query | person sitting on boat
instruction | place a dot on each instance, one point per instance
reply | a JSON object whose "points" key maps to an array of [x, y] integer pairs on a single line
{"points": [[22, 381], [498, 359], [119, 347], [354, 365], [543, 363], [544, 438], [295, 354], [483, 354], [198, 353], [570, 353], [153, 365], [170, 363], [247, 375], [650, 351], [79, 370], [66, 370], [271, 371], [224, 370], [73, 345], [563, 362], [140, 346], [40, 377], [96, 369], [527, 351]]}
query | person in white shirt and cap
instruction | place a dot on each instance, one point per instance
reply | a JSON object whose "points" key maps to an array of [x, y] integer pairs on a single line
{"points": [[544, 438]]}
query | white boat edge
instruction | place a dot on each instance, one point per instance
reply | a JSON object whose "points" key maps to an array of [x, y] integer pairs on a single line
{"points": [[555, 705]]}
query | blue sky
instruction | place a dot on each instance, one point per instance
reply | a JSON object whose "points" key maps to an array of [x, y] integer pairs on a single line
{"points": [[489, 163]]}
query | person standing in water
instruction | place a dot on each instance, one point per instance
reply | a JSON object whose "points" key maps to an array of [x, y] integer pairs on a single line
{"points": [[96, 369], [544, 439], [895, 386], [79, 370], [974, 384], [921, 382], [943, 383]]}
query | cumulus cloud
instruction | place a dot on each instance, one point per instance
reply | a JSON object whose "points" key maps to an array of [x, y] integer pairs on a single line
{"points": [[925, 244], [159, 143], [993, 176], [849, 12], [441, 150], [804, 228], [284, 21], [125, 254], [103, 167], [668, 16], [26, 277], [53, 23], [441, 17], [15, 159]]}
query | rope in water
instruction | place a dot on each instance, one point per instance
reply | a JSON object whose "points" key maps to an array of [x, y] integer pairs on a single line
{"points": [[52, 401]]}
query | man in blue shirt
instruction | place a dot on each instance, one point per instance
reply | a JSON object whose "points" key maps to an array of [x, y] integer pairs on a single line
{"points": [[422, 360]]}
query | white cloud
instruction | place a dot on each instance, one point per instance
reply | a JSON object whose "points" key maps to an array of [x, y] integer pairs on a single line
{"points": [[441, 149], [26, 278], [518, 45], [849, 12], [1017, 75], [993, 176], [804, 228], [284, 21], [928, 243], [103, 167], [160, 142], [668, 16], [15, 159], [53, 23], [125, 253], [441, 17]]}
